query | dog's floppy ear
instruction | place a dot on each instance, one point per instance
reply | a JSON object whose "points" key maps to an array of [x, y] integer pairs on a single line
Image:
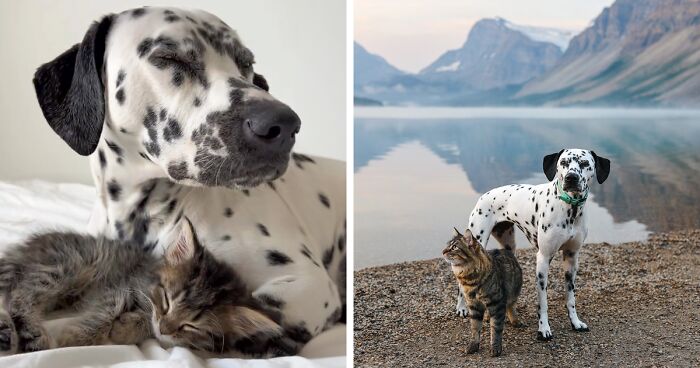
{"points": [[602, 168], [549, 165], [260, 82], [70, 90]]}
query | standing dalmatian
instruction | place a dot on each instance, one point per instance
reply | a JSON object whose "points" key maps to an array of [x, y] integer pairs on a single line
{"points": [[176, 123], [551, 216]]}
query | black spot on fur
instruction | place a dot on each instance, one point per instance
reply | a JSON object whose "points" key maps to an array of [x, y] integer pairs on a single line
{"points": [[178, 170], [144, 47], [103, 159], [263, 230], [277, 258], [136, 13], [226, 237], [328, 257], [197, 102], [114, 190], [270, 300], [172, 131], [228, 212], [322, 197], [120, 77]]}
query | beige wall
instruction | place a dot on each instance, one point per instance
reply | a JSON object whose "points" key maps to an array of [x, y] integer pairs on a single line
{"points": [[299, 46]]}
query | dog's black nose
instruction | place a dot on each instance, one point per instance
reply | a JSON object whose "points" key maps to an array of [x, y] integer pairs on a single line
{"points": [[271, 125], [571, 178]]}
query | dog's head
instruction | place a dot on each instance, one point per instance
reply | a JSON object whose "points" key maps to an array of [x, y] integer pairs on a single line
{"points": [[174, 87], [575, 168]]}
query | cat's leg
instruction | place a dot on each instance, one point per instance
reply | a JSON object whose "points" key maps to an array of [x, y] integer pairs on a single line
{"points": [[461, 307], [26, 305], [131, 328], [95, 321], [497, 321], [8, 337], [476, 314], [570, 268], [512, 316], [544, 333]]}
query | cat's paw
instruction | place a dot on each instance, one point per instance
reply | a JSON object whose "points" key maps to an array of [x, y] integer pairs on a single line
{"points": [[126, 329], [496, 350], [473, 348], [32, 338], [7, 331]]}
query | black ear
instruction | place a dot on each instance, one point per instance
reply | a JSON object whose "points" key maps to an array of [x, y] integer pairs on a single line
{"points": [[602, 168], [549, 165], [260, 81], [70, 90]]}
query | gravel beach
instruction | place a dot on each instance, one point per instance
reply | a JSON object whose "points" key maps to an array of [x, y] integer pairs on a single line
{"points": [[640, 300]]}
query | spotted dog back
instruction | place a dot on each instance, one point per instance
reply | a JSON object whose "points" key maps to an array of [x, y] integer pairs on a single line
{"points": [[491, 281]]}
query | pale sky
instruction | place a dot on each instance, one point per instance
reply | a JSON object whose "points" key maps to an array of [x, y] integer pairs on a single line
{"points": [[411, 34]]}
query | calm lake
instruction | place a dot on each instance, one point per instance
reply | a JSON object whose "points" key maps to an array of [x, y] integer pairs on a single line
{"points": [[419, 171]]}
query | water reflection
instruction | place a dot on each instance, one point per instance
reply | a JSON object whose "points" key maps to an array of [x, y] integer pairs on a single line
{"points": [[415, 178]]}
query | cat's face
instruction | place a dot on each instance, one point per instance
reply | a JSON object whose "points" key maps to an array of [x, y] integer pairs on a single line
{"points": [[462, 250], [198, 300]]}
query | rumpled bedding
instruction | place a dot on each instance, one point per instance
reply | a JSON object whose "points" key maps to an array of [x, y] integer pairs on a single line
{"points": [[30, 206]]}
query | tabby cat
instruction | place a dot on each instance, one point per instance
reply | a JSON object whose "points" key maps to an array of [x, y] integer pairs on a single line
{"points": [[491, 281], [125, 295]]}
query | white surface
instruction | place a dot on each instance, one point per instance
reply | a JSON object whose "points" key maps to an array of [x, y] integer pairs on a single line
{"points": [[559, 37], [299, 47], [26, 207]]}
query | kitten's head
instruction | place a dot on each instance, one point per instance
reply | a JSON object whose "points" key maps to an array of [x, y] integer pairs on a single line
{"points": [[464, 251], [200, 302]]}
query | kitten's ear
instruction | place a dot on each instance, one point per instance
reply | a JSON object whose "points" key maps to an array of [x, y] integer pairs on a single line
{"points": [[602, 167], [185, 247], [471, 241], [246, 322], [549, 165], [70, 90], [457, 233], [260, 81]]}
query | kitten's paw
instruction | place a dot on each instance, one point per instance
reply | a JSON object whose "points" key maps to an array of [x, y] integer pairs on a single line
{"points": [[126, 329], [496, 350], [32, 338], [473, 348], [579, 327], [544, 335], [7, 331]]}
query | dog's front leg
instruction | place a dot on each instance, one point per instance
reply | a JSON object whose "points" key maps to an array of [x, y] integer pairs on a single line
{"points": [[544, 333], [570, 268]]}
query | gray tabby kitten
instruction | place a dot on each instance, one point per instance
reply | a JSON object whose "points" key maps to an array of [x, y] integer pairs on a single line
{"points": [[125, 295], [490, 281]]}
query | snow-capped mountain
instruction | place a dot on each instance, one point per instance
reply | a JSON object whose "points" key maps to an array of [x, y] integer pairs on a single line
{"points": [[498, 53]]}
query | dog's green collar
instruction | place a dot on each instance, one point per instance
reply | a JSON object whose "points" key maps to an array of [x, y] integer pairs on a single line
{"points": [[564, 196]]}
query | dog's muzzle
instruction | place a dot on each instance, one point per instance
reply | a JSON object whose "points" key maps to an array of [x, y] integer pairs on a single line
{"points": [[572, 182], [271, 126]]}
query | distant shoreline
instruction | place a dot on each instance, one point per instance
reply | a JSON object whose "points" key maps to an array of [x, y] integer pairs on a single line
{"points": [[524, 112], [639, 298]]}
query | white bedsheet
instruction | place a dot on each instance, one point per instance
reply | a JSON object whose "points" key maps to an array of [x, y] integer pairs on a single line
{"points": [[26, 207]]}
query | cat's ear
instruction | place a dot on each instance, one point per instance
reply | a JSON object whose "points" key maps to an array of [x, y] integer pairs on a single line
{"points": [[260, 82], [245, 322], [184, 247], [457, 233], [469, 238]]}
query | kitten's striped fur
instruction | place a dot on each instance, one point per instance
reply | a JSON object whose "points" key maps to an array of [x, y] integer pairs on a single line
{"points": [[124, 295], [490, 281]]}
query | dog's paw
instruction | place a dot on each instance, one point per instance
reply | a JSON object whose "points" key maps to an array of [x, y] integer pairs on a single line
{"points": [[544, 335], [473, 348], [6, 335], [579, 327], [462, 312]]}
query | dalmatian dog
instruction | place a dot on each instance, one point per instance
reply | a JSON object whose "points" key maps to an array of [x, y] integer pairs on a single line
{"points": [[176, 122], [551, 216]]}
